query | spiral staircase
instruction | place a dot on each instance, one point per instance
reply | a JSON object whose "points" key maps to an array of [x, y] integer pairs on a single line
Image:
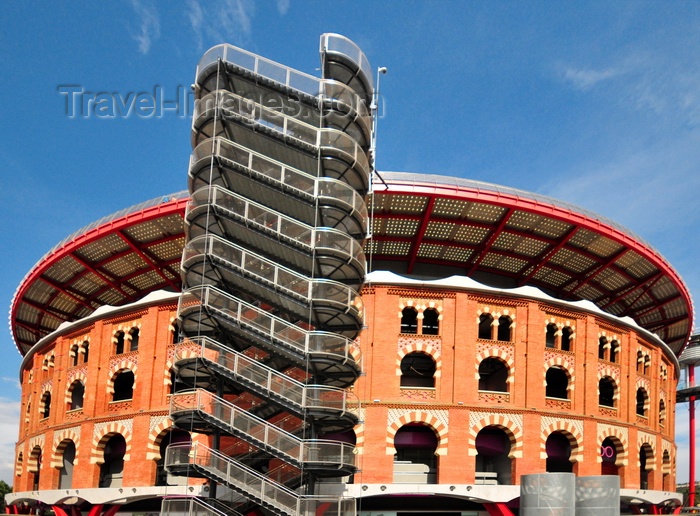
{"points": [[272, 270]]}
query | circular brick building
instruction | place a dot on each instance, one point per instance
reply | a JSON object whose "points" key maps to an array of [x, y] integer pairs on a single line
{"points": [[504, 333]]}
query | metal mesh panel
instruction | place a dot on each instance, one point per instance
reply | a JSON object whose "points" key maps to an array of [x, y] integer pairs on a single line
{"points": [[471, 235], [64, 269], [635, 265], [548, 494], [450, 208], [155, 229], [573, 261], [440, 230], [101, 249], [598, 496], [430, 251]]}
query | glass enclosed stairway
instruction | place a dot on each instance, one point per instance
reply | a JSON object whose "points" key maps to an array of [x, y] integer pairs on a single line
{"points": [[272, 271]]}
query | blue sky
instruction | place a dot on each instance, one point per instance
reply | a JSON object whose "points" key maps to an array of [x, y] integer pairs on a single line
{"points": [[593, 103]]}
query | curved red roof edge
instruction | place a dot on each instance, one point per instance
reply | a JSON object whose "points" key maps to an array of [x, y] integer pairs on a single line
{"points": [[169, 207], [508, 200], [394, 185]]}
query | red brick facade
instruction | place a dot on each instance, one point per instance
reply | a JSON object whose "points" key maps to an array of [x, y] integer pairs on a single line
{"points": [[454, 408], [142, 420], [457, 410]]}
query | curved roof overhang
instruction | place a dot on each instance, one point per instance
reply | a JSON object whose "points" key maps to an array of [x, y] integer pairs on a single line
{"points": [[114, 261], [423, 225], [516, 238]]}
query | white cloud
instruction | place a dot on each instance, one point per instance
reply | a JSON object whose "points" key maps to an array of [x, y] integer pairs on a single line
{"points": [[641, 185], [8, 436], [227, 21], [282, 6], [149, 25], [587, 79], [667, 85]]}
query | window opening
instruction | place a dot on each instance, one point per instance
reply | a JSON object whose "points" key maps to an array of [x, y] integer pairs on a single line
{"points": [[558, 450], [557, 383], [566, 338], [493, 375], [409, 320], [431, 321], [550, 336], [606, 392], [134, 341], [417, 370], [415, 461], [77, 395], [485, 326], [65, 479], [123, 386], [504, 328], [493, 465], [112, 469], [119, 343]]}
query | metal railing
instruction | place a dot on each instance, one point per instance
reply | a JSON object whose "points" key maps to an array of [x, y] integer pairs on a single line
{"points": [[254, 484], [286, 229], [196, 507], [278, 385], [277, 279], [288, 77], [228, 105], [261, 322], [283, 177], [338, 44], [301, 452]]}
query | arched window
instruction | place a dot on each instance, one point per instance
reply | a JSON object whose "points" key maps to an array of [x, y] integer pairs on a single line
{"points": [[118, 343], [647, 364], [606, 392], [602, 347], [558, 450], [65, 480], [493, 464], [86, 352], [409, 320], [557, 383], [123, 386], [662, 413], [614, 351], [431, 321], [417, 370], [642, 402], [567, 337], [74, 353], [486, 326], [666, 470], [646, 459], [504, 333], [550, 338], [174, 436], [35, 460], [493, 375], [608, 452], [415, 460], [175, 331], [112, 469], [134, 339], [640, 361], [46, 405], [77, 395]]}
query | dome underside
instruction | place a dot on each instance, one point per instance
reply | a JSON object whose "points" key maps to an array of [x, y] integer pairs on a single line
{"points": [[423, 225], [113, 262], [516, 239]]}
